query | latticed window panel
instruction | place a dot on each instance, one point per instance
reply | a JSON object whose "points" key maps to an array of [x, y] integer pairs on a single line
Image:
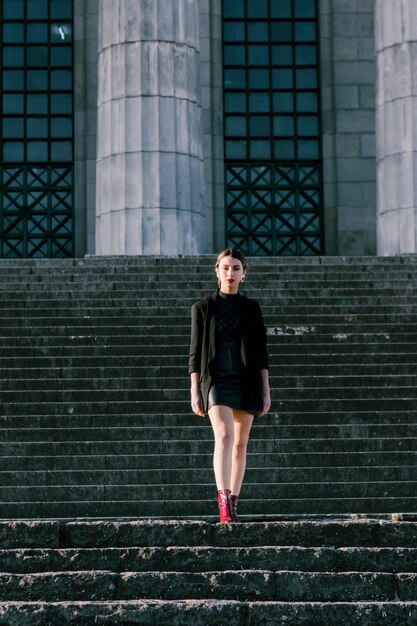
{"points": [[274, 209], [36, 212], [36, 149], [272, 126]]}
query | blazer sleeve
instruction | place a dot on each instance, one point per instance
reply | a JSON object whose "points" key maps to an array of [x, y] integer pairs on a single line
{"points": [[260, 340], [194, 363]]}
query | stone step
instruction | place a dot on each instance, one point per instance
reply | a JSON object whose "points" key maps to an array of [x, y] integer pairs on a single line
{"points": [[195, 290], [301, 313], [154, 462], [44, 376], [203, 492], [119, 290], [333, 531], [253, 508], [160, 422], [195, 265], [118, 383], [203, 612], [285, 586], [180, 324], [165, 394], [199, 446], [276, 324], [393, 402], [100, 359], [194, 475], [209, 559], [261, 430]]}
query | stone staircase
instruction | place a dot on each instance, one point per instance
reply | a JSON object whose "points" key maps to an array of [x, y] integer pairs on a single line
{"points": [[96, 432], [310, 573], [95, 417]]}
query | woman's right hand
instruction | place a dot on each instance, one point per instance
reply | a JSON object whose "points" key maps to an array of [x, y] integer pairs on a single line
{"points": [[197, 403]]}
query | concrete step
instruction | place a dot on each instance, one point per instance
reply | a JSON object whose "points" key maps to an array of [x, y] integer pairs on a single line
{"points": [[165, 422], [204, 491], [341, 531], [209, 559], [164, 508], [203, 612], [153, 462], [87, 475], [392, 402], [261, 430], [174, 394], [265, 585], [118, 383]]}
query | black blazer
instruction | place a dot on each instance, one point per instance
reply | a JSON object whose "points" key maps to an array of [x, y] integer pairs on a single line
{"points": [[253, 351]]}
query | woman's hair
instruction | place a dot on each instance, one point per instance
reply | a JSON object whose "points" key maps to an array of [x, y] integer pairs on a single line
{"points": [[235, 254]]}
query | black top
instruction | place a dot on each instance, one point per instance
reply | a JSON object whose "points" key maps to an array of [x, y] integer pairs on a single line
{"points": [[228, 336], [227, 318]]}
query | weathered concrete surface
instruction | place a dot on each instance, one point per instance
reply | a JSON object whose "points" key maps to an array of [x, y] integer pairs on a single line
{"points": [[334, 587], [329, 614], [224, 585], [145, 612], [396, 45], [204, 612], [135, 533], [347, 55], [149, 141], [325, 533], [29, 534], [210, 558], [58, 586]]}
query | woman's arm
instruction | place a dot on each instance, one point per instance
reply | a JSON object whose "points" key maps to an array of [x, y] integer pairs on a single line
{"points": [[196, 399], [266, 393], [195, 361]]}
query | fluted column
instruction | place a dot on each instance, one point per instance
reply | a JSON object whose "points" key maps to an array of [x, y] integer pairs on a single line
{"points": [[396, 47], [149, 152]]}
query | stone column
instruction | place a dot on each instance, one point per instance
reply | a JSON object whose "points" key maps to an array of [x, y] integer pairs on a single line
{"points": [[396, 48], [149, 146]]}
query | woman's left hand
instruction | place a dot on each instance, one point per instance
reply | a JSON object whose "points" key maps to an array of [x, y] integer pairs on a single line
{"points": [[266, 397]]}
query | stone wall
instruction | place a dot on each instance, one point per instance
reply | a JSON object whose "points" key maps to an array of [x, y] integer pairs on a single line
{"points": [[149, 151], [348, 102], [85, 127], [212, 103], [396, 43]]}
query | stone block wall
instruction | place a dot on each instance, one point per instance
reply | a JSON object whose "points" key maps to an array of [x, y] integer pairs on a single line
{"points": [[149, 150], [396, 45], [212, 104], [348, 116], [85, 126]]}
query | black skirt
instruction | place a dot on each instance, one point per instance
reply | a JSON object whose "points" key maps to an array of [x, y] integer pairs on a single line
{"points": [[227, 388]]}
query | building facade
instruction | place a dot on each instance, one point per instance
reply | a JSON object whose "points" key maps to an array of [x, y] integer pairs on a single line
{"points": [[283, 127]]}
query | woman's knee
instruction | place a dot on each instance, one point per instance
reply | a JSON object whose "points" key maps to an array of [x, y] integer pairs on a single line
{"points": [[224, 438], [240, 446]]}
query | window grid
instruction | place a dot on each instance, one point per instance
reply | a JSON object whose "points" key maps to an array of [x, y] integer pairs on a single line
{"points": [[271, 104], [36, 108]]}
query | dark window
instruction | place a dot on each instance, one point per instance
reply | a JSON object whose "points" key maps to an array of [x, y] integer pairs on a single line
{"points": [[272, 126], [36, 104]]}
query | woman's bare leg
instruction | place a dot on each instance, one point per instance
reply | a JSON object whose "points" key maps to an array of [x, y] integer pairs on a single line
{"points": [[222, 421], [242, 425]]}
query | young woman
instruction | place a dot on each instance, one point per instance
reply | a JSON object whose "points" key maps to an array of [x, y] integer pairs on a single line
{"points": [[229, 374]]}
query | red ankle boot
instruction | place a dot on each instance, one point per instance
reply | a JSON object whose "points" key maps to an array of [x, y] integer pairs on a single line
{"points": [[225, 505], [233, 500]]}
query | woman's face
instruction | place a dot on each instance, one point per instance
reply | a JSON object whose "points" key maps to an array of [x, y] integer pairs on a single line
{"points": [[230, 274]]}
